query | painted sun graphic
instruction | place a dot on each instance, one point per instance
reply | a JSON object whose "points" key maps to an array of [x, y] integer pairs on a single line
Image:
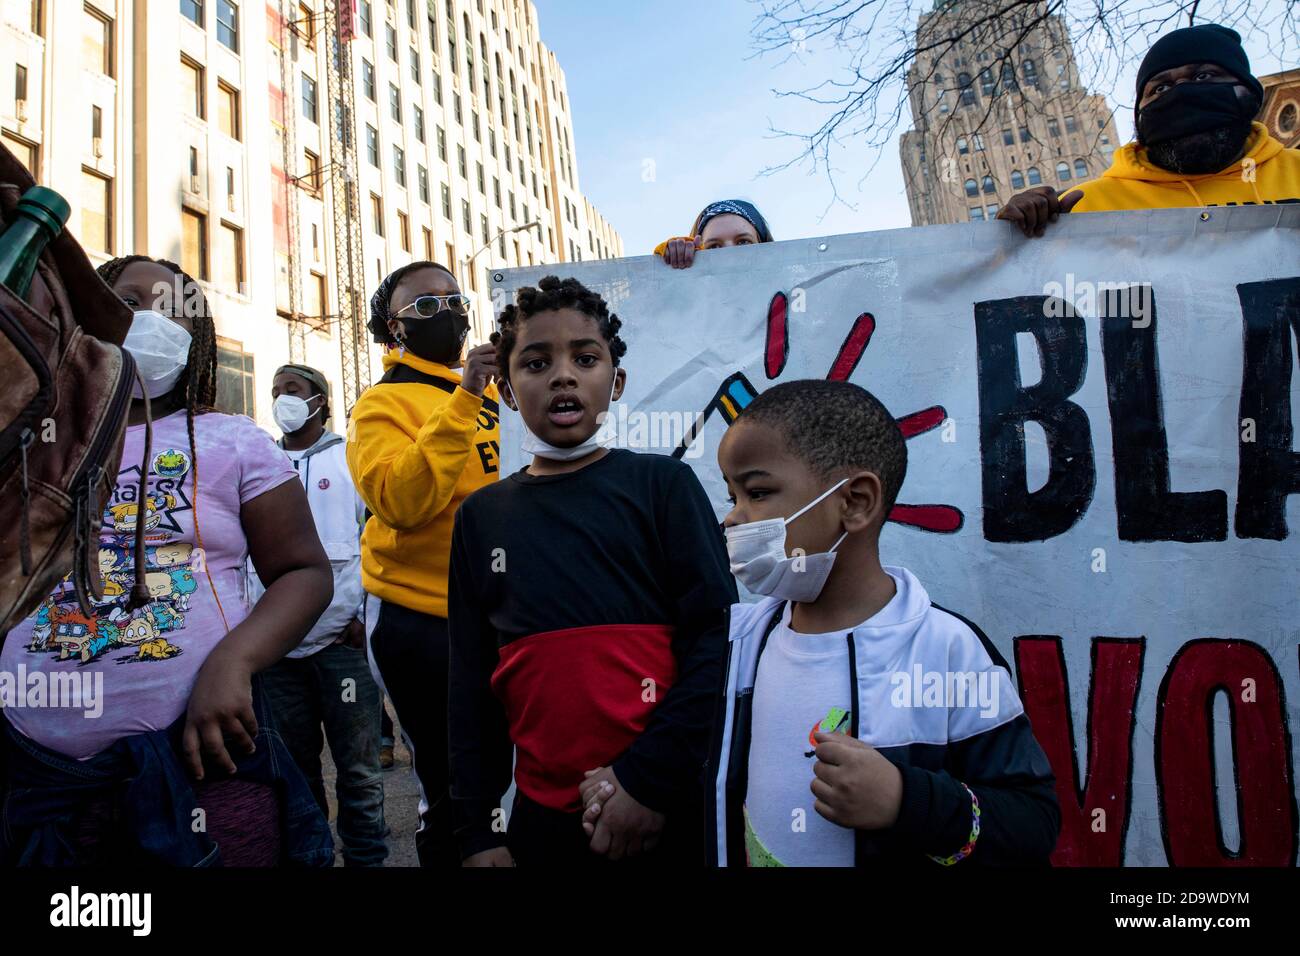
{"points": [[736, 392]]}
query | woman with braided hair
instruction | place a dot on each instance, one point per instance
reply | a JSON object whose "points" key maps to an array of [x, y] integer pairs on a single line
{"points": [[179, 734]]}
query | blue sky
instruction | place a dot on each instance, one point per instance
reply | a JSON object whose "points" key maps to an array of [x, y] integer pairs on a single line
{"points": [[678, 85]]}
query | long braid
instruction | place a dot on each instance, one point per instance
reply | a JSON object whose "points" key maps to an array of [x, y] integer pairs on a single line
{"points": [[199, 378]]}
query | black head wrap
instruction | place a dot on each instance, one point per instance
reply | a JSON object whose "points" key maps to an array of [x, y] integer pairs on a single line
{"points": [[383, 297]]}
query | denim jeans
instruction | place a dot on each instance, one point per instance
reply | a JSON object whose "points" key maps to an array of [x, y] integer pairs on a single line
{"points": [[47, 793], [311, 693]]}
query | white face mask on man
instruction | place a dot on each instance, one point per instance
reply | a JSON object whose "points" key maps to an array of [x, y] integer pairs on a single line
{"points": [[161, 349], [759, 561], [604, 435], [290, 412]]}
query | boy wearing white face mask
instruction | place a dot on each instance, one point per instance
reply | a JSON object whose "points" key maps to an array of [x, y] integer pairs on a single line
{"points": [[587, 615], [824, 752]]}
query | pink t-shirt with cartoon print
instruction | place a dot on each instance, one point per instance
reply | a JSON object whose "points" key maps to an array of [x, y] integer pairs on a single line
{"points": [[132, 671]]}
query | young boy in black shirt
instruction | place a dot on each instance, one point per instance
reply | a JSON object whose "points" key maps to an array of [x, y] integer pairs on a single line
{"points": [[589, 597]]}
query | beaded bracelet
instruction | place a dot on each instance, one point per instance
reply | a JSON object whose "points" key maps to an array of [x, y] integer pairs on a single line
{"points": [[969, 848]]}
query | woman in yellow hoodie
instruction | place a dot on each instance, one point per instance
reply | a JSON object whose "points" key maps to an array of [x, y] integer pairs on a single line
{"points": [[1197, 143], [420, 440]]}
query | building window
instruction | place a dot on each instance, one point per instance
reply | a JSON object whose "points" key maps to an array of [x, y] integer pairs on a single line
{"points": [[992, 210], [419, 124], [1008, 138], [446, 202], [230, 188], [404, 230], [1053, 127], [231, 264], [1069, 124], [97, 44], [1017, 179], [478, 135], [442, 144], [483, 227], [310, 106], [368, 79], [311, 174], [482, 186], [988, 185], [20, 83], [1062, 171], [428, 242], [376, 214], [415, 65], [367, 19], [1286, 120], [193, 10], [437, 89], [372, 145], [962, 146], [496, 191], [979, 143], [235, 384], [464, 217], [228, 110], [967, 95], [399, 166], [1034, 177], [391, 35], [194, 243], [455, 101], [96, 211], [976, 213], [972, 188], [194, 169], [1029, 71], [192, 87], [1024, 134], [314, 306], [96, 124], [1080, 169], [492, 142], [228, 24], [395, 102], [422, 178], [460, 162]]}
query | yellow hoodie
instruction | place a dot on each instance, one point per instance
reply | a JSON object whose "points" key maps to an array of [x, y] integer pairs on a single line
{"points": [[416, 450], [1268, 173]]}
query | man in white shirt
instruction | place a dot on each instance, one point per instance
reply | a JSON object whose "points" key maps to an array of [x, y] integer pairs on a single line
{"points": [[325, 682]]}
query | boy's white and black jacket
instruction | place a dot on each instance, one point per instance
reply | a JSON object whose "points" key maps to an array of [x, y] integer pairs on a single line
{"points": [[990, 749]]}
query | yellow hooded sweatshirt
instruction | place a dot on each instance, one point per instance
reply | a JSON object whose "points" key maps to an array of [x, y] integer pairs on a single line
{"points": [[418, 445], [1268, 173]]}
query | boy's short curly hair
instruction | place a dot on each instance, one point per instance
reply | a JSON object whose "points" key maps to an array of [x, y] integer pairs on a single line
{"points": [[832, 427], [549, 294]]}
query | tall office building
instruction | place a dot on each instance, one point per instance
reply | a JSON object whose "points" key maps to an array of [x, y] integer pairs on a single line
{"points": [[290, 154], [997, 107]]}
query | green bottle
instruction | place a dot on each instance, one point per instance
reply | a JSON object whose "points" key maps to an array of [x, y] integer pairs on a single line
{"points": [[38, 219]]}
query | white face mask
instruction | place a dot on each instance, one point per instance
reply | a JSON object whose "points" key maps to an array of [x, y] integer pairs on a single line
{"points": [[602, 436], [161, 349], [290, 412], [759, 561]]}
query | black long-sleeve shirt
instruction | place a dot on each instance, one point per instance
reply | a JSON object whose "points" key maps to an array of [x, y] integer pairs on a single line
{"points": [[574, 600]]}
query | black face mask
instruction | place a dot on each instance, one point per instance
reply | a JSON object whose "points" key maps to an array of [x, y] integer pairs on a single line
{"points": [[1191, 108], [438, 338]]}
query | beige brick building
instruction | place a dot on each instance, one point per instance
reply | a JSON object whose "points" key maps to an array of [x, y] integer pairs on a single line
{"points": [[203, 131], [995, 113]]}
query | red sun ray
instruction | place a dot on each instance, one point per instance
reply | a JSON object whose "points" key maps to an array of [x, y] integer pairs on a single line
{"points": [[942, 519], [859, 337], [778, 336], [923, 421]]}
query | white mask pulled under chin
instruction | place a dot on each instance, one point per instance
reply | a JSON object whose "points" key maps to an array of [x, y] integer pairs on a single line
{"points": [[161, 349], [759, 561], [602, 437]]}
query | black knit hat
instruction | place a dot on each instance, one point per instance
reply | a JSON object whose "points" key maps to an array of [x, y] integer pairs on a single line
{"points": [[1203, 43]]}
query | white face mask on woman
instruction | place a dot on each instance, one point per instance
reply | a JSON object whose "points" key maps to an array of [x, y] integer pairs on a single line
{"points": [[602, 436], [161, 349], [759, 561]]}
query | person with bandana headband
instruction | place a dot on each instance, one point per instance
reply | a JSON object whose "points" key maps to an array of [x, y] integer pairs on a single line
{"points": [[420, 441], [720, 225], [185, 724], [303, 688], [1198, 143]]}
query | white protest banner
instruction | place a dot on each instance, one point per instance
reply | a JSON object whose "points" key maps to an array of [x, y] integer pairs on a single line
{"points": [[1102, 475]]}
